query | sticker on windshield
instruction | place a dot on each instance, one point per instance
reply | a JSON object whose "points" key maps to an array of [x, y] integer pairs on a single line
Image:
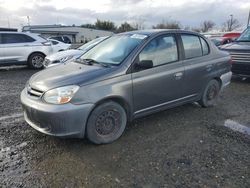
{"points": [[138, 36]]}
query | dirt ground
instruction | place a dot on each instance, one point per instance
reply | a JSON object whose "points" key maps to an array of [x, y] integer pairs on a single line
{"points": [[187, 146]]}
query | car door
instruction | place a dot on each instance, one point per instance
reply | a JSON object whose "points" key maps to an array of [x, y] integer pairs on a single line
{"points": [[56, 46], [198, 64], [160, 84], [16, 47]]}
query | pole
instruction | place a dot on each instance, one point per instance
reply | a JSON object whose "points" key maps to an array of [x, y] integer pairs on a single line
{"points": [[8, 21], [28, 19], [231, 22]]}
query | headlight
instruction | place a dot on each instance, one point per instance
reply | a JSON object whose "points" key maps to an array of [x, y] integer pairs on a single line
{"points": [[64, 59], [60, 95]]}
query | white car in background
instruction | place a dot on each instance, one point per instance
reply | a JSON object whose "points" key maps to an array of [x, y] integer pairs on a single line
{"points": [[59, 46], [19, 48], [69, 55]]}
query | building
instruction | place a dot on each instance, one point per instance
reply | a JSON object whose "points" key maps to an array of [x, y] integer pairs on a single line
{"points": [[8, 29], [75, 33]]}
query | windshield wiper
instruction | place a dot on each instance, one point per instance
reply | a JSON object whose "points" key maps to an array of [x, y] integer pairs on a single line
{"points": [[82, 61], [92, 61]]}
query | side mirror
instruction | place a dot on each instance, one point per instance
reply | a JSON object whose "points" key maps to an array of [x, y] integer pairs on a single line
{"points": [[144, 64]]}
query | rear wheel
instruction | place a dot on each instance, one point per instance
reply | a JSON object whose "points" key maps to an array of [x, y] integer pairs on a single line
{"points": [[35, 60], [210, 95], [106, 123]]}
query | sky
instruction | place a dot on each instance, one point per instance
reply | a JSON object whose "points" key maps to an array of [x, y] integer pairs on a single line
{"points": [[14, 13]]}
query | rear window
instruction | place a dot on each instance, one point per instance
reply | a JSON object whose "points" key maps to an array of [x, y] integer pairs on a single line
{"points": [[9, 38], [192, 46], [54, 42]]}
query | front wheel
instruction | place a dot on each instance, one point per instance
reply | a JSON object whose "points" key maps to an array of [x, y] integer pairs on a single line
{"points": [[106, 123], [210, 95], [35, 60]]}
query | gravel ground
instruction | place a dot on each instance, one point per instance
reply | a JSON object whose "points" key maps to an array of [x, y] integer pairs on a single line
{"points": [[187, 146]]}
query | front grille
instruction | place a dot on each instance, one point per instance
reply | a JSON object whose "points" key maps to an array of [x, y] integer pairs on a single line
{"points": [[34, 92], [241, 57]]}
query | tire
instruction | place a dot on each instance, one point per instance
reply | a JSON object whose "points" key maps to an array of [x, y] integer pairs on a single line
{"points": [[106, 123], [35, 60], [210, 95]]}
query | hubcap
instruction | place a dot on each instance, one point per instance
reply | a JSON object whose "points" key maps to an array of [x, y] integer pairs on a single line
{"points": [[212, 92], [108, 122], [37, 61]]}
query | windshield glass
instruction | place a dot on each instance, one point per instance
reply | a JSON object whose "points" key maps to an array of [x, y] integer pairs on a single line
{"points": [[115, 49], [245, 36], [92, 43]]}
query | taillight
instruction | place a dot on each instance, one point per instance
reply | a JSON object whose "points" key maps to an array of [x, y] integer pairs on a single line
{"points": [[46, 43]]}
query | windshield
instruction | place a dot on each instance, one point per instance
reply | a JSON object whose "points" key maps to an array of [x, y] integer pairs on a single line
{"points": [[245, 36], [91, 44], [115, 49]]}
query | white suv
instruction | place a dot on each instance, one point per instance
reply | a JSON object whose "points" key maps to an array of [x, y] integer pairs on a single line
{"points": [[23, 48]]}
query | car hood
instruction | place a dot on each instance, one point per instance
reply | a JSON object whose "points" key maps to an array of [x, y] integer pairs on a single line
{"points": [[236, 46], [66, 53], [71, 74]]}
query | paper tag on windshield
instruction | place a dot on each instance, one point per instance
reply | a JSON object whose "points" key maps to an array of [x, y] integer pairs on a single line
{"points": [[138, 36]]}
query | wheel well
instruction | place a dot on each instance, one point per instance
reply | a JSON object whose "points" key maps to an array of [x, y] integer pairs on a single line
{"points": [[219, 80], [118, 100], [35, 53]]}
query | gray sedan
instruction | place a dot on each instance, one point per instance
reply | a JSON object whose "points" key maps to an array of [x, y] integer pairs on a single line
{"points": [[127, 76]]}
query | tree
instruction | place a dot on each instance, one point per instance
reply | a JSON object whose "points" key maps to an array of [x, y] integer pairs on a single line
{"points": [[91, 26], [125, 27], [168, 25], [231, 24], [105, 25], [207, 25]]}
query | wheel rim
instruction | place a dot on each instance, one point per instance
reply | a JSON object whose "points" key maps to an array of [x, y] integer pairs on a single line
{"points": [[108, 122], [37, 61], [212, 92]]}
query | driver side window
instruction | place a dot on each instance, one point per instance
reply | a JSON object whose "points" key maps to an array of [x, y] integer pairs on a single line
{"points": [[161, 50]]}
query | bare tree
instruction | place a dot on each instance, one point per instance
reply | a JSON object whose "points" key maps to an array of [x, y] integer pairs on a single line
{"points": [[138, 24], [231, 24], [207, 25]]}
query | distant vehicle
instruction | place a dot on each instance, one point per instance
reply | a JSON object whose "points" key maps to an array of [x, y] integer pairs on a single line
{"points": [[59, 46], [64, 39], [232, 35], [127, 76], [18, 48], [240, 52], [218, 41], [69, 55]]}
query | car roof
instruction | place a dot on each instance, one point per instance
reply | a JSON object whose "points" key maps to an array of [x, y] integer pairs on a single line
{"points": [[150, 32]]}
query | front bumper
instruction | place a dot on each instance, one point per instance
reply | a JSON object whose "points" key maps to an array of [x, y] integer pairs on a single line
{"points": [[241, 69], [67, 120]]}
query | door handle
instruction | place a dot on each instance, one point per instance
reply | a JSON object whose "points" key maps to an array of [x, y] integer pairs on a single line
{"points": [[178, 75]]}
